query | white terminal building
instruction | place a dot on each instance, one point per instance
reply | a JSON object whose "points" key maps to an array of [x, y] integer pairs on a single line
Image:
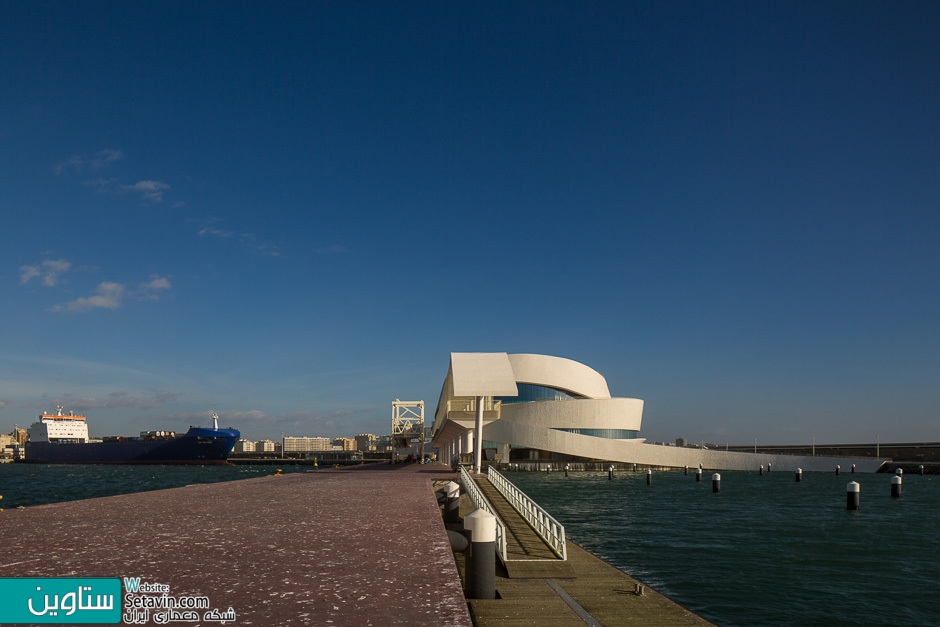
{"points": [[525, 407]]}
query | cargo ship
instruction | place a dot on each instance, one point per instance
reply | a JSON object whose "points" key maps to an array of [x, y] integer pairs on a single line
{"points": [[61, 438]]}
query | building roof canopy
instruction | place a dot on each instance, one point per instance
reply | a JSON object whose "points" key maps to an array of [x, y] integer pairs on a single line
{"points": [[482, 374]]}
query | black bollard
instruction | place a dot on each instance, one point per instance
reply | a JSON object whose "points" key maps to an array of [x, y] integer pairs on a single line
{"points": [[853, 469], [716, 483], [852, 493], [481, 584], [896, 487], [698, 475], [452, 502], [687, 470], [649, 477], [799, 475]]}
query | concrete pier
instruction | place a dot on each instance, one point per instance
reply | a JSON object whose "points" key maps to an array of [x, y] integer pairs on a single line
{"points": [[358, 546]]}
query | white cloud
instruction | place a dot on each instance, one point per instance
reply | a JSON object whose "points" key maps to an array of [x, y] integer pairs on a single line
{"points": [[98, 160], [152, 288], [151, 190], [121, 400], [108, 296], [50, 270], [104, 185], [216, 232], [247, 239]]}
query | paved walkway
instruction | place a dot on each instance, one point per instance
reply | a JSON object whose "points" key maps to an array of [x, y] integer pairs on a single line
{"points": [[363, 546]]}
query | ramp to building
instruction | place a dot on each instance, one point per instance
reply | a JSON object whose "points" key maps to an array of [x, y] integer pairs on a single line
{"points": [[526, 554]]}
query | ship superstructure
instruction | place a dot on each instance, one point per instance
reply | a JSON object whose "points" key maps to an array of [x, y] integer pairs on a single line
{"points": [[58, 427]]}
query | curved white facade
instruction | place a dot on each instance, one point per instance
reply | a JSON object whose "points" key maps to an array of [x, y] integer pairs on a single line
{"points": [[564, 407], [560, 373]]}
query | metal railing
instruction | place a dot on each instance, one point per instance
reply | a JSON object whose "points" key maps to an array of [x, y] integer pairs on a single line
{"points": [[550, 530], [480, 502]]}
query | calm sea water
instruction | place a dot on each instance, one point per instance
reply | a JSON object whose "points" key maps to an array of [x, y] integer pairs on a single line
{"points": [[37, 484], [765, 550]]}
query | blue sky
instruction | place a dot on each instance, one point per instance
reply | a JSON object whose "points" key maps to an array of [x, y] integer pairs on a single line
{"points": [[292, 213]]}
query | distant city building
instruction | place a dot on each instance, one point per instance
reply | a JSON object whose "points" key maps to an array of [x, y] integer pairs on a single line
{"points": [[345, 444], [244, 446], [365, 442], [265, 446], [18, 436], [384, 444], [306, 444], [681, 442]]}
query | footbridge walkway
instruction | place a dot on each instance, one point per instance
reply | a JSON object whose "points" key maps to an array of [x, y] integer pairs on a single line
{"points": [[549, 579], [529, 542]]}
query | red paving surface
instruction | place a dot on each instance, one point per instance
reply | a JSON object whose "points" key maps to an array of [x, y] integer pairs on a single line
{"points": [[364, 546]]}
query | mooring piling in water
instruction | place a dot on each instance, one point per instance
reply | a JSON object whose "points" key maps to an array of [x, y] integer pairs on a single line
{"points": [[716, 483], [610, 472], [852, 494], [761, 470], [799, 475], [698, 474], [896, 487], [649, 477]]}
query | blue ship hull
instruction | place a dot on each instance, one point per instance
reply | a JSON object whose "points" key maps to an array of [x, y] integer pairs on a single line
{"points": [[197, 446]]}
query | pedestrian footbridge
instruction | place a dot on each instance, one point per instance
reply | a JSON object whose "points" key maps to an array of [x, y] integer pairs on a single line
{"points": [[529, 542]]}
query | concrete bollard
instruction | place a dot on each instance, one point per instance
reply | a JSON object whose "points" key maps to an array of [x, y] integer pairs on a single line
{"points": [[451, 502], [649, 477], [799, 475], [896, 487], [852, 493], [610, 472], [481, 583], [838, 468], [716, 483], [698, 475]]}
